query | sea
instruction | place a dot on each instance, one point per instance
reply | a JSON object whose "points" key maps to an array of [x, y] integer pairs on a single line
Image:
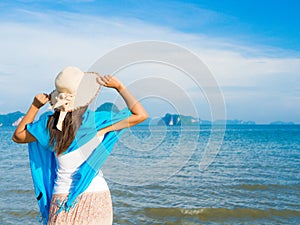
{"points": [[169, 175]]}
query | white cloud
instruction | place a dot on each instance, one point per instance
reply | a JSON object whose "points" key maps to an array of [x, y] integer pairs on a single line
{"points": [[33, 52]]}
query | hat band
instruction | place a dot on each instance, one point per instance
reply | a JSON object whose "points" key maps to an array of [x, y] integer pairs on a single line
{"points": [[64, 101]]}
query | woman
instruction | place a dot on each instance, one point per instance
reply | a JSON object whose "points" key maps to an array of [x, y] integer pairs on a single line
{"points": [[68, 147]]}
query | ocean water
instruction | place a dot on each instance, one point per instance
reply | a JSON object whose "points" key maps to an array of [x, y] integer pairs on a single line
{"points": [[154, 177]]}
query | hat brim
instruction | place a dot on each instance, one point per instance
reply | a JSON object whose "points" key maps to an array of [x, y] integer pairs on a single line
{"points": [[88, 89]]}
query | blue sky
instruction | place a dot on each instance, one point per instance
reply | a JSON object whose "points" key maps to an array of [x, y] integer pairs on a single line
{"points": [[251, 47], [269, 22]]}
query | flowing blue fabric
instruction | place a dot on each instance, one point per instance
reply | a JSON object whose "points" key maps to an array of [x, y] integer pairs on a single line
{"points": [[42, 157]]}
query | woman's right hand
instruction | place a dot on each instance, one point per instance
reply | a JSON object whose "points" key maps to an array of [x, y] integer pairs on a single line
{"points": [[40, 100]]}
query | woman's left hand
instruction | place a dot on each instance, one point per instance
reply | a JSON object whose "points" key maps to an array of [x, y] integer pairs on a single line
{"points": [[110, 82], [40, 100]]}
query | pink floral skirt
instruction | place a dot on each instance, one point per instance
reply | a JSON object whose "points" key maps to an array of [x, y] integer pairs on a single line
{"points": [[93, 208]]}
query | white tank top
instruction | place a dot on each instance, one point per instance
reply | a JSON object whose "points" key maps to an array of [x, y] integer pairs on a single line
{"points": [[68, 164]]}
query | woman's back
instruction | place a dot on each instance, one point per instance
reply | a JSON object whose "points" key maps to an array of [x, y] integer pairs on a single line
{"points": [[67, 166]]}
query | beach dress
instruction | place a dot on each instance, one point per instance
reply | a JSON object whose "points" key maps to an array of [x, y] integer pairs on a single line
{"points": [[70, 188]]}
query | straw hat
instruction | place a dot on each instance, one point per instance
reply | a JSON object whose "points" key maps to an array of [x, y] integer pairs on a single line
{"points": [[74, 89]]}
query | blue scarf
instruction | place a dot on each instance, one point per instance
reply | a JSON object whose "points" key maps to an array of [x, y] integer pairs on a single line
{"points": [[43, 163]]}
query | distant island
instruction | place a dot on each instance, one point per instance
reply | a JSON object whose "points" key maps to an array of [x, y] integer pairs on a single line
{"points": [[177, 119], [282, 123], [13, 119]]}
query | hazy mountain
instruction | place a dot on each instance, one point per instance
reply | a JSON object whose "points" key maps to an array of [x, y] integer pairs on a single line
{"points": [[11, 119], [234, 122], [177, 119], [108, 106], [281, 123]]}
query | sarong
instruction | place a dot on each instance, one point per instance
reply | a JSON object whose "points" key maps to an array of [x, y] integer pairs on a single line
{"points": [[92, 208]]}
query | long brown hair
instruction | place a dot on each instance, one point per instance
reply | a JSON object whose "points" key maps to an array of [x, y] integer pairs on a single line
{"points": [[61, 140]]}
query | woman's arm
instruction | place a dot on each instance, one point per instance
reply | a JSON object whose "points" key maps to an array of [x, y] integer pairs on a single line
{"points": [[21, 135], [139, 114]]}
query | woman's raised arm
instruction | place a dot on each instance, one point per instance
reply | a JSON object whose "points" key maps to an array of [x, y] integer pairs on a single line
{"points": [[21, 135], [139, 114]]}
